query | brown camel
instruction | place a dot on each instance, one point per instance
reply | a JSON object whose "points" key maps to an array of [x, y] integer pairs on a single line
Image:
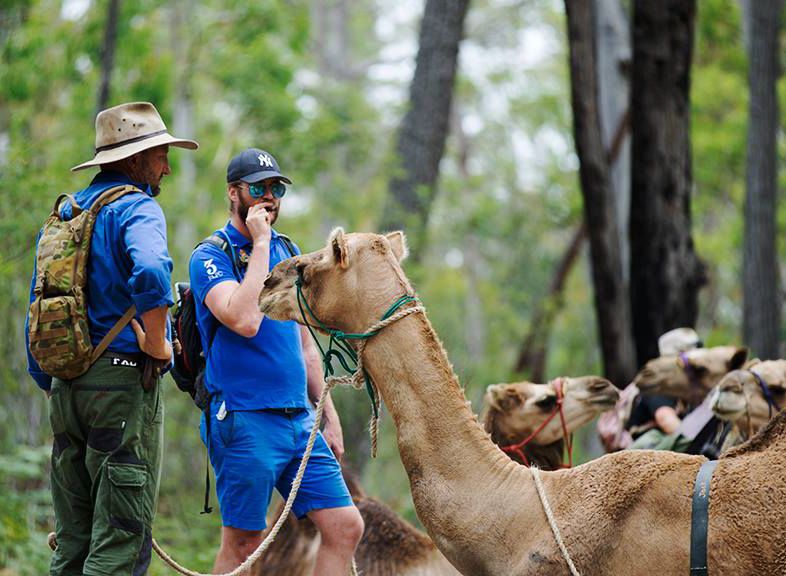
{"points": [[691, 375], [626, 513], [524, 418], [740, 396], [390, 546]]}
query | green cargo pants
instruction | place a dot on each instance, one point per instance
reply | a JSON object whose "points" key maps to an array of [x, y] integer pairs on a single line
{"points": [[106, 466]]}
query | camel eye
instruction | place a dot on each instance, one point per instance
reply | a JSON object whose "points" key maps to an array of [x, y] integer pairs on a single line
{"points": [[300, 268], [546, 402]]}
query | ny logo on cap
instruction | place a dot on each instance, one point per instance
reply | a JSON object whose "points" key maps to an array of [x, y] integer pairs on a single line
{"points": [[265, 160]]}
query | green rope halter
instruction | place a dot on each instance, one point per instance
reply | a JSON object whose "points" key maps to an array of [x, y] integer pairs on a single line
{"points": [[338, 346]]}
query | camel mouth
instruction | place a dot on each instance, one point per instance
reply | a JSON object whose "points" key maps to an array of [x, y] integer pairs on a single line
{"points": [[727, 413], [609, 400], [726, 406], [648, 386]]}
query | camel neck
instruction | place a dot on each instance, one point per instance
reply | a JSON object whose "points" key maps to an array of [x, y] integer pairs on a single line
{"points": [[439, 438]]}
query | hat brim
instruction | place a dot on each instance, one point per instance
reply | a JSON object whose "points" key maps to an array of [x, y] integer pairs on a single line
{"points": [[264, 175], [121, 152]]}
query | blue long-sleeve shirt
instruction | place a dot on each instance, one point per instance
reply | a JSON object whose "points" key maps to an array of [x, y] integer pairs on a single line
{"points": [[128, 264]]}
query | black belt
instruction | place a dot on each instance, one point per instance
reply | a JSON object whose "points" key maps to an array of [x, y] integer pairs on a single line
{"points": [[285, 411]]}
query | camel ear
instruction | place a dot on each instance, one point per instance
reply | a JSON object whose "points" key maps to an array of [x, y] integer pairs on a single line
{"points": [[338, 244], [399, 244], [738, 359], [502, 397]]}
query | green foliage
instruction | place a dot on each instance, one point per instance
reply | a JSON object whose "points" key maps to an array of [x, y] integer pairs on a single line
{"points": [[24, 518], [325, 99]]}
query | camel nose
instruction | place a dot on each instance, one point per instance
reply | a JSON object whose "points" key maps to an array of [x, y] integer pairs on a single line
{"points": [[600, 385], [270, 282]]}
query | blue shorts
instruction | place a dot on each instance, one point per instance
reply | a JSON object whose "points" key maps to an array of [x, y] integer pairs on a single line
{"points": [[253, 452]]}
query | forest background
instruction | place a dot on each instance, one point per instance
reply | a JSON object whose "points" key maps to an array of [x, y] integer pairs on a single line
{"points": [[326, 86]]}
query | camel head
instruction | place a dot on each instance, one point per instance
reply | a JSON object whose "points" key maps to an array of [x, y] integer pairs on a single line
{"points": [[348, 285], [739, 395], [691, 375], [515, 411]]}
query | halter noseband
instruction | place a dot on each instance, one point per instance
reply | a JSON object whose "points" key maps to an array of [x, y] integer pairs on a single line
{"points": [[559, 388]]}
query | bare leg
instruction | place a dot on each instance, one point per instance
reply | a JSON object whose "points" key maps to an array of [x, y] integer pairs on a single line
{"points": [[236, 546], [340, 530]]}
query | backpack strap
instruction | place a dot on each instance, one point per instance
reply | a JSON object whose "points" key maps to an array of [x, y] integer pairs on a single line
{"points": [[111, 194], [106, 197], [76, 209], [113, 332], [288, 243]]}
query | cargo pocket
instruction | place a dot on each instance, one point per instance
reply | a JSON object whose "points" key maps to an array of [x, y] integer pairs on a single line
{"points": [[225, 428], [126, 497], [154, 404]]}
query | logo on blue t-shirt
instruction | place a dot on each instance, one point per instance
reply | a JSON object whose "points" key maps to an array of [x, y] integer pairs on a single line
{"points": [[212, 271]]}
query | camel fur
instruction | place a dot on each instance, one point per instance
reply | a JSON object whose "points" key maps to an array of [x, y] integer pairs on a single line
{"points": [[626, 513]]}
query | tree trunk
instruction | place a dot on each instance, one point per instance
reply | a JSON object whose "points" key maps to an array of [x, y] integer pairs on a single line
{"points": [[421, 138], [193, 200], [612, 47], [761, 297], [666, 274], [108, 54], [611, 301]]}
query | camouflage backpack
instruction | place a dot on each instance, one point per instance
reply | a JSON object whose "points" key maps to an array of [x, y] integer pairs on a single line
{"points": [[58, 326]]}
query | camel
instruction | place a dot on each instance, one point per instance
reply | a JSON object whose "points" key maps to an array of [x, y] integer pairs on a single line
{"points": [[623, 513], [740, 396], [691, 375], [390, 545], [524, 417]]}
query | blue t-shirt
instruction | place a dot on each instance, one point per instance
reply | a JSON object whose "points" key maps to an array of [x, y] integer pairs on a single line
{"points": [[128, 264], [266, 371]]}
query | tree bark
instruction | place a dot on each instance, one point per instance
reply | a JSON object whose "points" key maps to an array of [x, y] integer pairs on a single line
{"points": [[666, 273], [611, 302], [761, 296], [108, 54], [421, 138], [612, 47], [193, 200]]}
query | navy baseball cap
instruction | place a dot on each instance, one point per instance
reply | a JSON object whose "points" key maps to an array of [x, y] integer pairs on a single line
{"points": [[253, 165]]}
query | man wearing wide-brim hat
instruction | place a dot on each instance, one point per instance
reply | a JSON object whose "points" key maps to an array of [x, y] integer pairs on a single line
{"points": [[108, 422]]}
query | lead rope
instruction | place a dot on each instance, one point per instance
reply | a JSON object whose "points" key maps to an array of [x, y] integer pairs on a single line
{"points": [[552, 521], [353, 380]]}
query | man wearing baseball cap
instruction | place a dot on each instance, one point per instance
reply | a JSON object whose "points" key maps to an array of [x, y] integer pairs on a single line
{"points": [[261, 374], [108, 422]]}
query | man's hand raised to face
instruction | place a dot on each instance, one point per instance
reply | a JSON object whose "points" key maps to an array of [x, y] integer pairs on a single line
{"points": [[258, 224]]}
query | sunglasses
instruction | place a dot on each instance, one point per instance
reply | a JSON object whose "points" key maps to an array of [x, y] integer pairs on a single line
{"points": [[258, 189]]}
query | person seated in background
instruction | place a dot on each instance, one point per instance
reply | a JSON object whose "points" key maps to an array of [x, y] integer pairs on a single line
{"points": [[655, 420]]}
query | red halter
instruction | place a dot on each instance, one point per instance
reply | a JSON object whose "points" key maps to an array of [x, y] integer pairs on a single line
{"points": [[559, 384]]}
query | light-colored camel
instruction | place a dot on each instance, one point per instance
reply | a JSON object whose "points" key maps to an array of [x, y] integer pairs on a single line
{"points": [[740, 398], [626, 513], [528, 413], [390, 545], [691, 375]]}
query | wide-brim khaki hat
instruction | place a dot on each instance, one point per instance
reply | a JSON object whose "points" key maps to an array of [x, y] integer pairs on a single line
{"points": [[128, 129]]}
